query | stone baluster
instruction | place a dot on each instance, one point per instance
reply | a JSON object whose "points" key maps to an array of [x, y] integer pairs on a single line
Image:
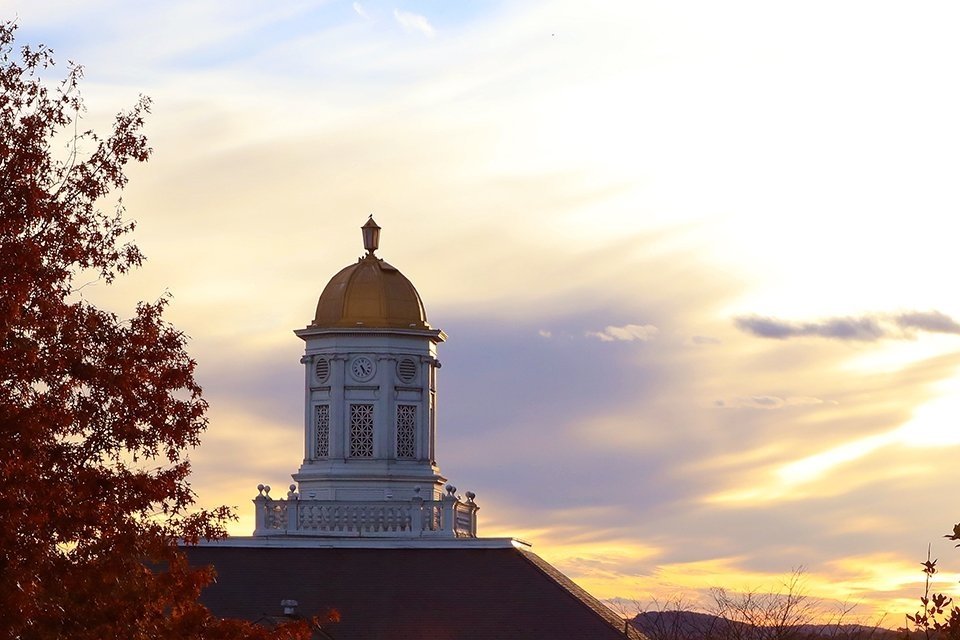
{"points": [[416, 513]]}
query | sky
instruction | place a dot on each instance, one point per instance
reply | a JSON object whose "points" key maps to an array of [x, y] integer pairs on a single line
{"points": [[695, 260]]}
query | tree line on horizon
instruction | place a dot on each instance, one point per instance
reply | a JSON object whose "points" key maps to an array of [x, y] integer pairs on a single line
{"points": [[789, 613]]}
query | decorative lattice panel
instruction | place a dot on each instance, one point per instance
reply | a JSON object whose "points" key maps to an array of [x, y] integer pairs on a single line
{"points": [[361, 430], [406, 431], [323, 430]]}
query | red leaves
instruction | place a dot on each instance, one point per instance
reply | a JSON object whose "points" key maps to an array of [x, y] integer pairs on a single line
{"points": [[955, 535], [95, 411], [935, 620]]}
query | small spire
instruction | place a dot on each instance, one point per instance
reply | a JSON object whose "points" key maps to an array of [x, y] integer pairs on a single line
{"points": [[371, 235]]}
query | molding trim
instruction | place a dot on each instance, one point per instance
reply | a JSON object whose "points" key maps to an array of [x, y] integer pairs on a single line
{"points": [[292, 541]]}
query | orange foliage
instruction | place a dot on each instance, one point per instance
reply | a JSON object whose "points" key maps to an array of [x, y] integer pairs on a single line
{"points": [[95, 411]]}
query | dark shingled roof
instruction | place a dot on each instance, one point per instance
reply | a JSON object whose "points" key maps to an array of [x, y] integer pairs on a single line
{"points": [[422, 593]]}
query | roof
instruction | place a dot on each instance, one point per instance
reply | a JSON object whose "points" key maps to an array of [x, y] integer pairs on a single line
{"points": [[370, 294], [407, 593]]}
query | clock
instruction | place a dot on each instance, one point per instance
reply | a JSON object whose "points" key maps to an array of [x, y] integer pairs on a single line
{"points": [[362, 368]]}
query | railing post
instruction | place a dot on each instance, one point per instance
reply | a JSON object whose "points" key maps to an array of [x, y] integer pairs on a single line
{"points": [[292, 520], [448, 523], [472, 505], [416, 516], [293, 498], [260, 504]]}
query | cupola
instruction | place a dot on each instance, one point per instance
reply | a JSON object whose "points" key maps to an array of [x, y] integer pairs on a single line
{"points": [[370, 421], [370, 293]]}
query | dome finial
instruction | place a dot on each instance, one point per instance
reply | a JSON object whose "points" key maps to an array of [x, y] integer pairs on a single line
{"points": [[371, 235]]}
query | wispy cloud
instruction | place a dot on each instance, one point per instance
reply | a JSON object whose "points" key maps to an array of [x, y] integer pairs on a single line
{"points": [[414, 22], [865, 328], [626, 333], [516, 145], [933, 321], [360, 11], [767, 402]]}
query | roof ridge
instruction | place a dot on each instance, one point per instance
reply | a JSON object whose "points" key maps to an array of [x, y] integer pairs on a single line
{"points": [[602, 611]]}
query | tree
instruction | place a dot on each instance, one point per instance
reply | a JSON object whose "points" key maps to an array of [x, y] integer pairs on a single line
{"points": [[784, 612], [96, 411], [938, 618]]}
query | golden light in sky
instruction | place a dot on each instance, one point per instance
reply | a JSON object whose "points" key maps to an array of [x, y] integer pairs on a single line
{"points": [[697, 261]]}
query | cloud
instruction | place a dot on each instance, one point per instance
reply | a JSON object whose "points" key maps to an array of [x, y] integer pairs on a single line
{"points": [[702, 340], [414, 22], [866, 328], [519, 410], [626, 333], [767, 402], [544, 333], [358, 8], [933, 321]]}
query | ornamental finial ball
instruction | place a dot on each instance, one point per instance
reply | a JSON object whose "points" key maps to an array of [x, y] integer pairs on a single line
{"points": [[371, 235]]}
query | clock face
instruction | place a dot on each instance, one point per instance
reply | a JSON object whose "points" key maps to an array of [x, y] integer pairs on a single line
{"points": [[362, 368]]}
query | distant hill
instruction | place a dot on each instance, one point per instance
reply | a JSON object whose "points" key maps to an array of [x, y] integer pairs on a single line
{"points": [[691, 625]]}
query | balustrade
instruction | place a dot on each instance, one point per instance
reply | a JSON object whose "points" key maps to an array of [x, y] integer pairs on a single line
{"points": [[449, 517]]}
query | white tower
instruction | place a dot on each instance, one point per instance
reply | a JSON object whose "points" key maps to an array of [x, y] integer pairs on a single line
{"points": [[369, 465], [370, 400]]}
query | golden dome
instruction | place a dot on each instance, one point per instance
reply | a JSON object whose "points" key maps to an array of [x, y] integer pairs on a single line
{"points": [[370, 294]]}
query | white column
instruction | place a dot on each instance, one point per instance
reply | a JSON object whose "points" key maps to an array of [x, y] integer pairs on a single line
{"points": [[338, 408], [432, 408], [383, 417], [308, 427], [424, 440]]}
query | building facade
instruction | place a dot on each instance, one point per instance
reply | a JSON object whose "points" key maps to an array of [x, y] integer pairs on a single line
{"points": [[370, 527]]}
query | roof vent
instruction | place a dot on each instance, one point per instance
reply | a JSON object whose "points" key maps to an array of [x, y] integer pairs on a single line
{"points": [[289, 607]]}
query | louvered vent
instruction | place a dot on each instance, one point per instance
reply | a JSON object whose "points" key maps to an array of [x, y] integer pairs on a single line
{"points": [[407, 370], [322, 369]]}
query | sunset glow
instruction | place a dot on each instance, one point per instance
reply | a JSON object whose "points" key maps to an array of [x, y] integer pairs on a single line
{"points": [[697, 261]]}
